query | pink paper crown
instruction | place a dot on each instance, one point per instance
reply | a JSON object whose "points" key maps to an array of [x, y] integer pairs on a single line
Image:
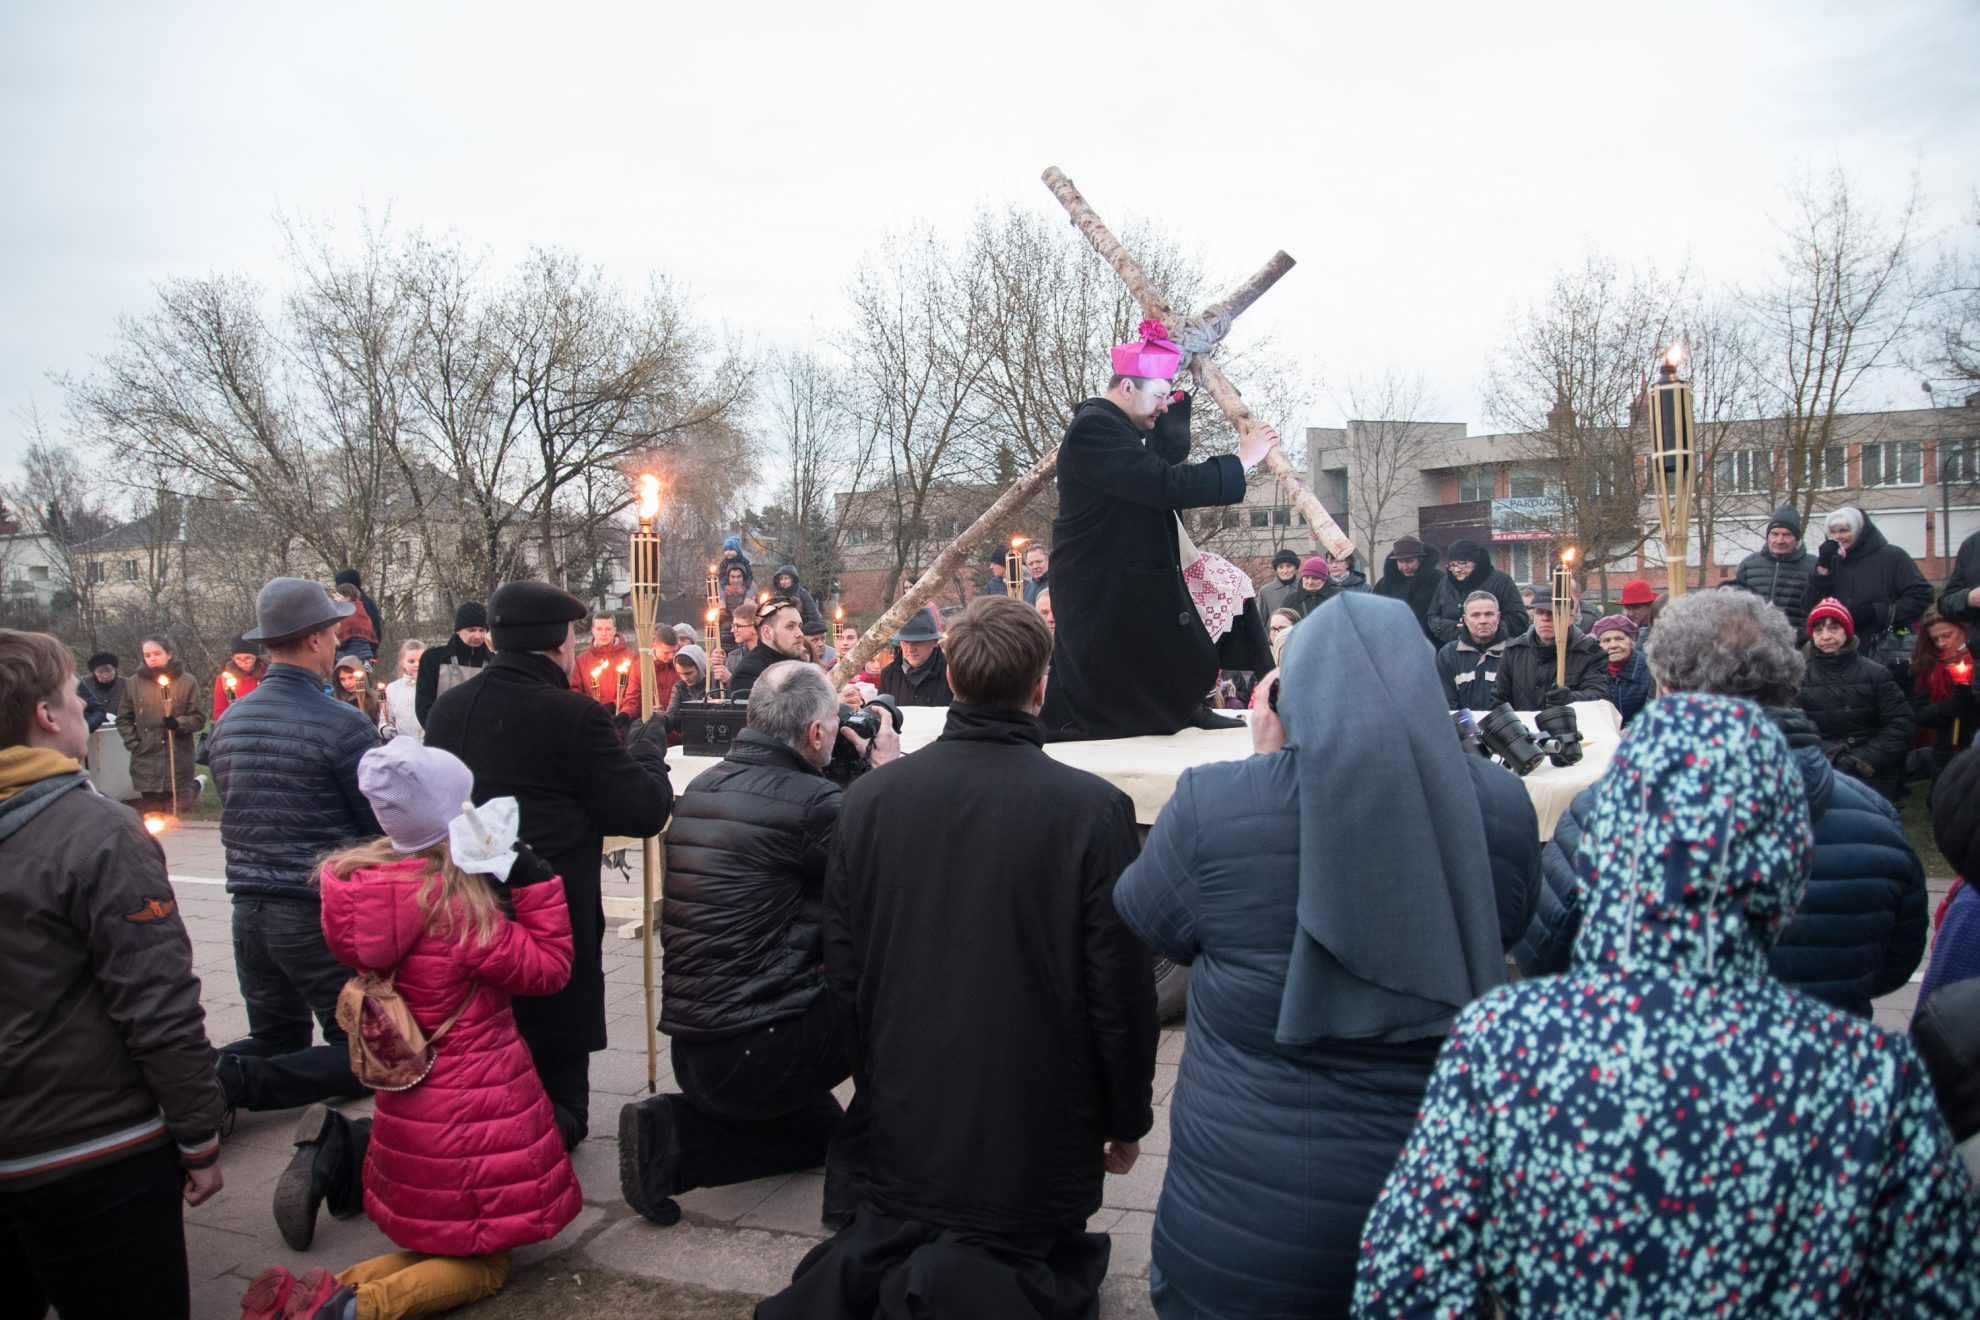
{"points": [[1153, 357]]}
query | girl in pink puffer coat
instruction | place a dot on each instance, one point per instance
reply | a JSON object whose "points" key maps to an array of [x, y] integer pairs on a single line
{"points": [[468, 1163]]}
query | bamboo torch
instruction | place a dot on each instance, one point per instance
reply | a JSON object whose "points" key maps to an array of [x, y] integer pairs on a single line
{"points": [[1563, 613], [1673, 467], [1014, 566], [171, 743], [711, 637], [645, 601]]}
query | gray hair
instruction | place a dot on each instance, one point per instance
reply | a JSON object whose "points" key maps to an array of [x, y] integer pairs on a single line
{"points": [[787, 697], [1729, 643], [1482, 595], [1848, 516]]}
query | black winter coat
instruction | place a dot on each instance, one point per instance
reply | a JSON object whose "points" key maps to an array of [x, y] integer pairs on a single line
{"points": [[1470, 672], [807, 605], [1131, 655], [741, 922], [1859, 708], [527, 735], [1965, 577], [1860, 929], [743, 676], [1001, 1018], [1419, 591], [285, 764], [1947, 1030], [1878, 583], [1446, 618], [461, 662], [1782, 581], [931, 689], [1528, 668]]}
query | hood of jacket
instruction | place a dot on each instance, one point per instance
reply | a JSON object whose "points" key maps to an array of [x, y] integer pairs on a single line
{"points": [[1851, 648], [1697, 845], [1869, 542], [1481, 562], [783, 569], [375, 911]]}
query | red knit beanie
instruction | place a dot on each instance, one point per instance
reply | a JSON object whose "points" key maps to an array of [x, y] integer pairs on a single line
{"points": [[1831, 608]]}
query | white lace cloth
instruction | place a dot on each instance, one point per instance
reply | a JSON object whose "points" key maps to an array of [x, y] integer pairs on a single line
{"points": [[1219, 587]]}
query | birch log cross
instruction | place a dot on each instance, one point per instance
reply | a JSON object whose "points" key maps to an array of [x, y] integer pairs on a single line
{"points": [[1319, 522]]}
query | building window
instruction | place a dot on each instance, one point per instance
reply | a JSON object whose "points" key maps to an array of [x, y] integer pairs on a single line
{"points": [[1744, 471], [1523, 556], [130, 570], [1826, 468], [1894, 463], [94, 573], [1261, 517], [1529, 484], [1959, 460], [1474, 484]]}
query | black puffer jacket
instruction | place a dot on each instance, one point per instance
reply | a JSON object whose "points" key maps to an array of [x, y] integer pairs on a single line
{"points": [[1527, 670], [1860, 929], [1418, 591], [285, 762], [741, 922], [1965, 577], [1860, 710], [1446, 617], [1781, 580], [1882, 589]]}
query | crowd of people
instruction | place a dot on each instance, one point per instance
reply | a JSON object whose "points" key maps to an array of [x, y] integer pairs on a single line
{"points": [[1435, 1063]]}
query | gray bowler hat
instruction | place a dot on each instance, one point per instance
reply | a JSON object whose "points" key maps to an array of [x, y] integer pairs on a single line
{"points": [[289, 607]]}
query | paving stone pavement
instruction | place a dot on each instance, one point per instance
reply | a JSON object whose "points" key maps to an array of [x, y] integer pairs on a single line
{"points": [[745, 1238]]}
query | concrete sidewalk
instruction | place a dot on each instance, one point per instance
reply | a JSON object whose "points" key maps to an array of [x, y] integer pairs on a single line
{"points": [[742, 1239]]}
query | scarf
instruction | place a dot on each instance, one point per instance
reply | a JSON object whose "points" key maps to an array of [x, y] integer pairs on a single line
{"points": [[23, 767]]}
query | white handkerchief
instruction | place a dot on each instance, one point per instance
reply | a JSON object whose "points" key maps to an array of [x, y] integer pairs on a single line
{"points": [[483, 838]]}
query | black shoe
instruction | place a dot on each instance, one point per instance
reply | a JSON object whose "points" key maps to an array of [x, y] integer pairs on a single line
{"points": [[319, 1166], [1205, 718], [650, 1159]]}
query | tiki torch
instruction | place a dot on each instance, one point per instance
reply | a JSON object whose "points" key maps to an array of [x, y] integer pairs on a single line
{"points": [[1563, 607], [645, 601], [597, 672], [619, 692], [711, 636], [171, 742], [1673, 464], [1962, 672], [1014, 566]]}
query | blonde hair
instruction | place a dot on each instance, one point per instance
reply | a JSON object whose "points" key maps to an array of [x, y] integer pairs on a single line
{"points": [[455, 902]]}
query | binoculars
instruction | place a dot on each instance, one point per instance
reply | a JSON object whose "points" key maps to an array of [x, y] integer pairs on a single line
{"points": [[1502, 734]]}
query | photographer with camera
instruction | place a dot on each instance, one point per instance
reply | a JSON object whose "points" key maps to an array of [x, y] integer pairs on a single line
{"points": [[756, 1042], [1527, 670]]}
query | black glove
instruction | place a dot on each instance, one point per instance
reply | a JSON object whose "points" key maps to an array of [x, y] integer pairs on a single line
{"points": [[170, 724], [1852, 764], [647, 740], [1828, 556], [528, 868], [1556, 697], [1170, 438], [622, 721]]}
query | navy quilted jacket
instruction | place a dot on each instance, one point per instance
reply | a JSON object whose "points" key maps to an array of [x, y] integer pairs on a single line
{"points": [[1860, 929], [284, 758], [1276, 1151]]}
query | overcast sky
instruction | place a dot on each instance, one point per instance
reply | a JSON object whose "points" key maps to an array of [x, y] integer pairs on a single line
{"points": [[1427, 164]]}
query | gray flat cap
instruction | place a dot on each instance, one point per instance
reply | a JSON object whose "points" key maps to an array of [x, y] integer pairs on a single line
{"points": [[289, 607]]}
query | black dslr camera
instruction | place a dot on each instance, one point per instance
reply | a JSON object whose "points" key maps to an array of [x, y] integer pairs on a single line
{"points": [[1560, 734], [847, 763], [1505, 737]]}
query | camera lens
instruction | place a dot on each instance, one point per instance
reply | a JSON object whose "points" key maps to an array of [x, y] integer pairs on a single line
{"points": [[1506, 737]]}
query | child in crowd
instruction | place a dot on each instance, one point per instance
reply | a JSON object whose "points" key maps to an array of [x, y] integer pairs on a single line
{"points": [[356, 635], [354, 686], [467, 1164]]}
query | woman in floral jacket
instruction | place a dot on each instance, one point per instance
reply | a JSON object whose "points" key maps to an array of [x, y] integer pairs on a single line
{"points": [[1667, 1129]]}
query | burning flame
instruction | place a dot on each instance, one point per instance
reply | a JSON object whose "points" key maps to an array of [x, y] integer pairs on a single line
{"points": [[1017, 541], [625, 665], [713, 615], [598, 669], [229, 679], [762, 596], [1674, 354], [1567, 555], [839, 614], [164, 680], [156, 823], [649, 497]]}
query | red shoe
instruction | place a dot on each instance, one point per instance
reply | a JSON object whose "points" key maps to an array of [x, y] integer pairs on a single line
{"points": [[267, 1294], [313, 1289]]}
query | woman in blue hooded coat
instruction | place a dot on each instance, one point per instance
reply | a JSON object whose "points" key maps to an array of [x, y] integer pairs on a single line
{"points": [[1326, 960], [1666, 1129]]}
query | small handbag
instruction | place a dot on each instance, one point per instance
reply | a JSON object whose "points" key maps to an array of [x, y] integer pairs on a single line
{"points": [[389, 1052]]}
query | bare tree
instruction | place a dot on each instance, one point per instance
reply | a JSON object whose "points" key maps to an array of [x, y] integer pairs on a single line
{"points": [[1389, 437], [1842, 303], [1736, 461], [1565, 381], [66, 502], [1955, 338], [825, 448]]}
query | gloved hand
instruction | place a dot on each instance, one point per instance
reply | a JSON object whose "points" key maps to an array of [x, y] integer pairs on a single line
{"points": [[1852, 764], [528, 868], [1556, 697], [1828, 556], [1170, 438], [647, 741], [622, 721], [170, 724]]}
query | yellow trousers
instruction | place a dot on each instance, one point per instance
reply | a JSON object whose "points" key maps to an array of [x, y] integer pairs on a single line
{"points": [[406, 1283]]}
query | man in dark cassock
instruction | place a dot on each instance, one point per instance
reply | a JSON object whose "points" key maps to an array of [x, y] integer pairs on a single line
{"points": [[998, 1101], [1133, 654], [527, 735]]}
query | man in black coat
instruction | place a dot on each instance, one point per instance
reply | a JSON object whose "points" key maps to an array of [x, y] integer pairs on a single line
{"points": [[918, 675], [1410, 575], [1131, 653], [756, 1042], [461, 658], [1778, 572], [1960, 601], [1468, 567], [1002, 1018], [1468, 666], [1530, 665], [779, 637], [527, 735]]}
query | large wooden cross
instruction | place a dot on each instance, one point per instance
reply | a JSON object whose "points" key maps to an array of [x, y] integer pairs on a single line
{"points": [[1319, 522]]}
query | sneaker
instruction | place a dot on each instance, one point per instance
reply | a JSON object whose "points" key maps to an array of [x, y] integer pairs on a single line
{"points": [[650, 1159], [322, 1149], [339, 1305], [267, 1293], [313, 1289]]}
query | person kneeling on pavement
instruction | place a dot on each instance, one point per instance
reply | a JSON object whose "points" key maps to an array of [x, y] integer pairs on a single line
{"points": [[467, 1162], [757, 1043]]}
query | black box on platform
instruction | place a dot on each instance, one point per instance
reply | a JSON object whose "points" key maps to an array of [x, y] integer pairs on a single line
{"points": [[708, 727]]}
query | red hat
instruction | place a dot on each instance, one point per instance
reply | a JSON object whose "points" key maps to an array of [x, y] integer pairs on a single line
{"points": [[1831, 608], [1638, 592]]}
